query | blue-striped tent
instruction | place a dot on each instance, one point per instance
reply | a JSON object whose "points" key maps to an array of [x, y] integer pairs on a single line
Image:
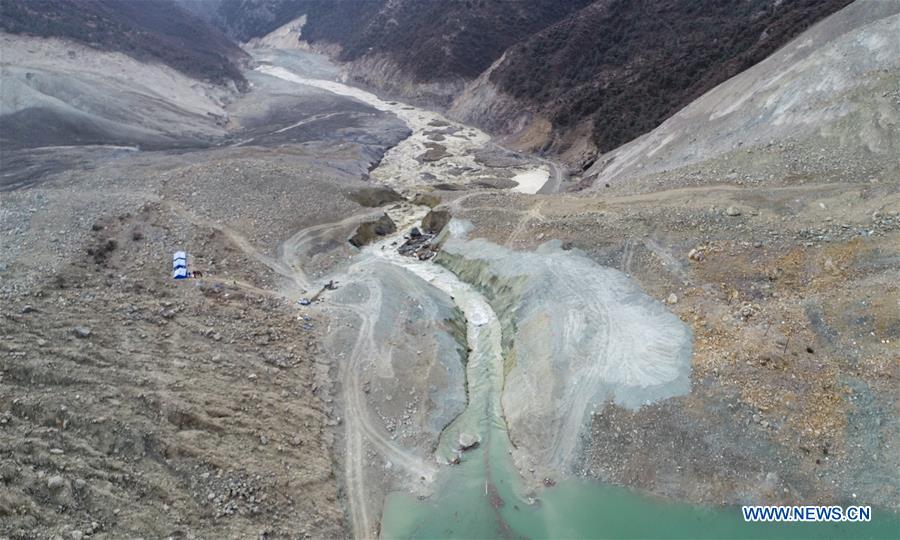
{"points": [[179, 265]]}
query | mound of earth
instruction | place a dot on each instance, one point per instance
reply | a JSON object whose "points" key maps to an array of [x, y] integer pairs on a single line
{"points": [[373, 197]]}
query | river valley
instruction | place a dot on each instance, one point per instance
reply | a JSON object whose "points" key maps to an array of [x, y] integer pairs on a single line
{"points": [[402, 328], [604, 341]]}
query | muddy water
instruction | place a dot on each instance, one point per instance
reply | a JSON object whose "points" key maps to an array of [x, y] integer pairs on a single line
{"points": [[485, 496]]}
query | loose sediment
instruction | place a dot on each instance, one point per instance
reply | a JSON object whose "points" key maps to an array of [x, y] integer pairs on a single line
{"points": [[451, 162], [577, 334], [553, 337], [484, 362]]}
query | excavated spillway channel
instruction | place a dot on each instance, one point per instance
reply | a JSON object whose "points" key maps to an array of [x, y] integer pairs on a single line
{"points": [[485, 496]]}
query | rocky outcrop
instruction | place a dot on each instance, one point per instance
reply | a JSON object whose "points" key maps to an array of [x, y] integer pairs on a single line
{"points": [[426, 199], [435, 221], [434, 152]]}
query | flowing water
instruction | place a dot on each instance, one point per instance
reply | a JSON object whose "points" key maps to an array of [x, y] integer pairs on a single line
{"points": [[484, 496]]}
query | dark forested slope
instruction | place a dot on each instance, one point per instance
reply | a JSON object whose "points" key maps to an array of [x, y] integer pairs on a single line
{"points": [[630, 64]]}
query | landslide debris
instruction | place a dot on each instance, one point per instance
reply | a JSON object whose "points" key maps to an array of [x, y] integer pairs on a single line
{"points": [[793, 311], [575, 335], [132, 405], [149, 30]]}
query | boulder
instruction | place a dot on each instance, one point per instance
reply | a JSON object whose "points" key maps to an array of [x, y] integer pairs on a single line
{"points": [[82, 332], [435, 221], [368, 231], [434, 152], [467, 441], [426, 199], [56, 482]]}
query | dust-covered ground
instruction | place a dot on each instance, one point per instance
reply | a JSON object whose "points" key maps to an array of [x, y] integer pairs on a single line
{"points": [[133, 405]]}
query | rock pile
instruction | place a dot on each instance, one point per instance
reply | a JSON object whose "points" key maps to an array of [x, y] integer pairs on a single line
{"points": [[418, 244]]}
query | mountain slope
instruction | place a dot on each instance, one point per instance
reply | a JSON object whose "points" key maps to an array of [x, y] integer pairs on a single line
{"points": [[405, 47], [56, 92], [825, 106], [618, 68], [431, 41], [149, 30], [571, 77]]}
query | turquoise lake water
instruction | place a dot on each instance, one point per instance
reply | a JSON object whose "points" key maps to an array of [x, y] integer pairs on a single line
{"points": [[483, 498]]}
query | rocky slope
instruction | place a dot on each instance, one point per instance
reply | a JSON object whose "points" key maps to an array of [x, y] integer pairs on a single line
{"points": [[146, 74], [426, 50], [618, 68], [132, 405], [56, 91]]}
